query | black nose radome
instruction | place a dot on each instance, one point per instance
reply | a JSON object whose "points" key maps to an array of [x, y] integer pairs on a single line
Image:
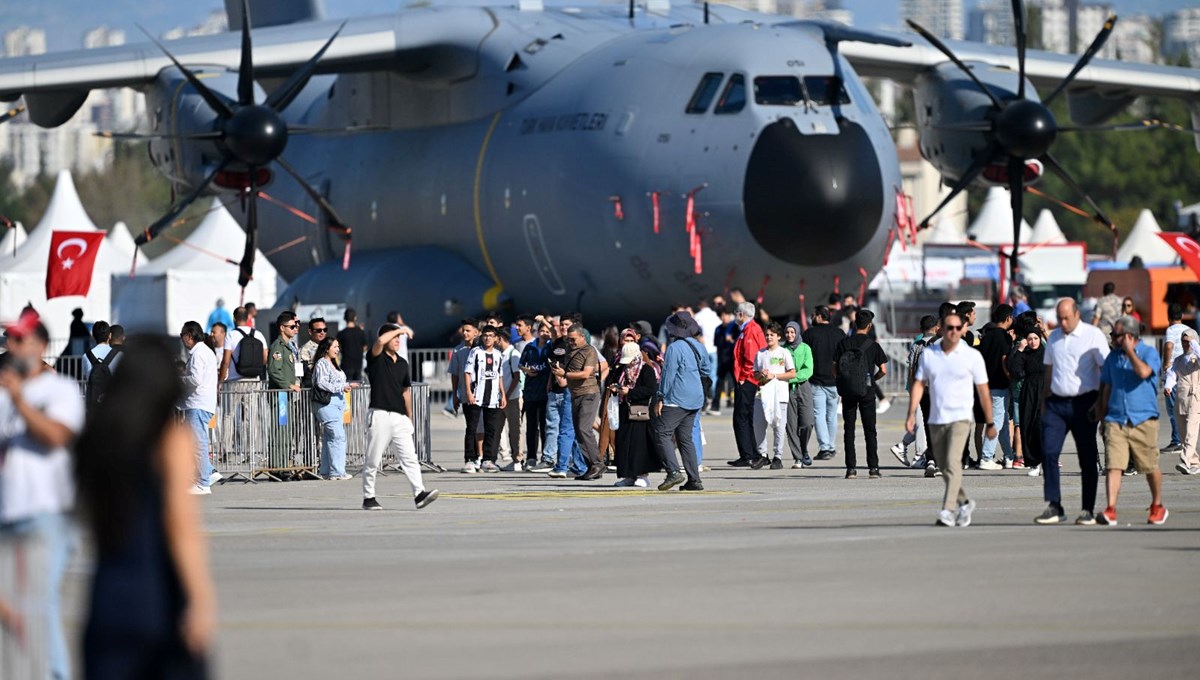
{"points": [[813, 199], [1026, 128]]}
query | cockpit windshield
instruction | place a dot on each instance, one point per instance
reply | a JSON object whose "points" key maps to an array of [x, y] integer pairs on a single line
{"points": [[791, 91]]}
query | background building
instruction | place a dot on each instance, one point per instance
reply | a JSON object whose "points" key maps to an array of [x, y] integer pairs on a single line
{"points": [[943, 18]]}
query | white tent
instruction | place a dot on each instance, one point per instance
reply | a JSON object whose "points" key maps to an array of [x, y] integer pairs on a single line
{"points": [[1046, 230], [123, 246], [13, 238], [946, 232], [1143, 240], [184, 283], [993, 224], [23, 278]]}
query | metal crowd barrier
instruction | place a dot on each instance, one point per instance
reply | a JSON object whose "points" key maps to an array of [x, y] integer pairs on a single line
{"points": [[259, 433]]}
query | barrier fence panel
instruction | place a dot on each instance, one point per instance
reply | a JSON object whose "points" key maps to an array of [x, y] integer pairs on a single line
{"points": [[259, 433]]}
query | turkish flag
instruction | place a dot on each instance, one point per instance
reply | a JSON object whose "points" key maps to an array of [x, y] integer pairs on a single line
{"points": [[72, 258], [1186, 246]]}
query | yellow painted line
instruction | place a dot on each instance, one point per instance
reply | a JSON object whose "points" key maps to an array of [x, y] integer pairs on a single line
{"points": [[487, 260], [548, 495]]}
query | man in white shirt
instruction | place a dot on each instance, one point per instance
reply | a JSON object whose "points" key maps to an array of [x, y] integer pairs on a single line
{"points": [[709, 322], [200, 398], [1075, 354], [1172, 350], [483, 382], [951, 371], [41, 413], [242, 329], [510, 438]]}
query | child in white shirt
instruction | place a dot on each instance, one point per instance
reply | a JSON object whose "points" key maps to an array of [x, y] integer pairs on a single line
{"points": [[773, 367]]}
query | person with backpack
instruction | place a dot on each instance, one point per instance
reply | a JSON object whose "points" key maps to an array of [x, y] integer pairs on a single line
{"points": [[245, 356], [99, 363], [858, 362]]}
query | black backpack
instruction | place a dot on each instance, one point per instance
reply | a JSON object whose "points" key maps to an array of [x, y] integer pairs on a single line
{"points": [[100, 376], [854, 372], [250, 356]]}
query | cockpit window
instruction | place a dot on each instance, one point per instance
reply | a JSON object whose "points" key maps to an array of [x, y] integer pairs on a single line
{"points": [[787, 90], [823, 89], [777, 90], [733, 99], [705, 91]]}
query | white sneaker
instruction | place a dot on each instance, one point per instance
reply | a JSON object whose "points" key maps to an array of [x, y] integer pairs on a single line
{"points": [[215, 477], [946, 518], [990, 465], [797, 466], [470, 468], [918, 462], [1035, 471], [1183, 469], [883, 405], [641, 482], [627, 481], [1008, 463], [900, 451], [964, 514], [198, 490]]}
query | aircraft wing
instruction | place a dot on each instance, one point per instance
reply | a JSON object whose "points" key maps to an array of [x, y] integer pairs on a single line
{"points": [[432, 43]]}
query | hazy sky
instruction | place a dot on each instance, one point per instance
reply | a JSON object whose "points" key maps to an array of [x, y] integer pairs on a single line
{"points": [[66, 20]]}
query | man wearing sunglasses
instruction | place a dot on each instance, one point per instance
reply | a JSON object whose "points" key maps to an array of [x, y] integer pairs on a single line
{"points": [[1074, 356], [317, 330], [282, 363], [952, 371]]}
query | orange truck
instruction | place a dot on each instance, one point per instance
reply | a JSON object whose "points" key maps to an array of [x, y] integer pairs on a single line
{"points": [[1152, 290]]}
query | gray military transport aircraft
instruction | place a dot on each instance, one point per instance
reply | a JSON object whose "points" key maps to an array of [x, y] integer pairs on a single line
{"points": [[609, 158]]}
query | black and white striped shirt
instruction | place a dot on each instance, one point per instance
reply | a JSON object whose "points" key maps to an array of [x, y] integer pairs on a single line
{"points": [[485, 370]]}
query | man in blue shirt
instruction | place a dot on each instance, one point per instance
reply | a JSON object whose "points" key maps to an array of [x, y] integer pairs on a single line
{"points": [[219, 315], [680, 397], [1128, 404]]}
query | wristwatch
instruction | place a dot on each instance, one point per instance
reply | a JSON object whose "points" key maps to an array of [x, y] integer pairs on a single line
{"points": [[990, 424]]}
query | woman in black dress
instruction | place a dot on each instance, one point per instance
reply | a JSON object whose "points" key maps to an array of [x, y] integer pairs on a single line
{"points": [[636, 386], [1025, 367], [153, 608]]}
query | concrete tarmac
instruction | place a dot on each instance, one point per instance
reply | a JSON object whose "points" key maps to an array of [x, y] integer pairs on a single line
{"points": [[766, 574]]}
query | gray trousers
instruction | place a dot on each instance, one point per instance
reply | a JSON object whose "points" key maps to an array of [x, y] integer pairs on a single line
{"points": [[800, 420], [674, 428], [584, 409]]}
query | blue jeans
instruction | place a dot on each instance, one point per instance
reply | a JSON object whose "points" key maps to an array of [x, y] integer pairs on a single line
{"points": [[333, 449], [1170, 399], [569, 457], [198, 420], [999, 398], [825, 412], [1065, 415], [553, 407], [57, 533], [712, 374]]}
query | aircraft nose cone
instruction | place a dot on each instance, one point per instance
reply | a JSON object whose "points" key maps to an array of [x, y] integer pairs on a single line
{"points": [[813, 199], [1026, 128], [256, 135]]}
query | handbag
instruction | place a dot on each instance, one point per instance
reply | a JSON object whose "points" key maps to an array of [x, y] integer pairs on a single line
{"points": [[320, 396], [639, 412]]}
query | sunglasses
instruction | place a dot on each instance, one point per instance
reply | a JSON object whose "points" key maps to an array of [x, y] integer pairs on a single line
{"points": [[952, 328], [319, 330], [290, 325]]}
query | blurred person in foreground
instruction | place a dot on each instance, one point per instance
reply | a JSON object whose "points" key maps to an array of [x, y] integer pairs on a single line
{"points": [[41, 413], [153, 607]]}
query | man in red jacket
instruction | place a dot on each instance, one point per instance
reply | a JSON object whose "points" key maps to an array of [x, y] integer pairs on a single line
{"points": [[749, 342]]}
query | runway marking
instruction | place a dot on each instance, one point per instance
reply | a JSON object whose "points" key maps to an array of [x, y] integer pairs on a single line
{"points": [[550, 495]]}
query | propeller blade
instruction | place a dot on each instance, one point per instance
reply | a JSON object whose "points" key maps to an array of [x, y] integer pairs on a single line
{"points": [[1018, 8], [969, 176], [294, 130], [286, 93], [1140, 126], [1016, 187], [246, 70], [1084, 58], [8, 115], [941, 47], [246, 267], [214, 102], [177, 209], [972, 126], [330, 214], [139, 136], [1053, 166]]}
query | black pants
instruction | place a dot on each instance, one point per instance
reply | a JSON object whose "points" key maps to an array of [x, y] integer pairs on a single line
{"points": [[925, 404], [850, 411], [535, 430], [493, 424], [743, 420], [724, 378]]}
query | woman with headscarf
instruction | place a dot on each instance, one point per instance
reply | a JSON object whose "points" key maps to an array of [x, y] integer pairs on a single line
{"points": [[1026, 370], [1184, 378], [635, 385], [800, 420]]}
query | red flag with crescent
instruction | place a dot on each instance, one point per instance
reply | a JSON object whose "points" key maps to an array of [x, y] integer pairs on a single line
{"points": [[1186, 246], [72, 259]]}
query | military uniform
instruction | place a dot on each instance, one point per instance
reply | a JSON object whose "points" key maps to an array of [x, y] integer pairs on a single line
{"points": [[281, 375]]}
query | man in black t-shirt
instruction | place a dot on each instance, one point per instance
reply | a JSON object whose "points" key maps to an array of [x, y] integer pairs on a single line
{"points": [[995, 347], [862, 350], [353, 342], [389, 421], [823, 338]]}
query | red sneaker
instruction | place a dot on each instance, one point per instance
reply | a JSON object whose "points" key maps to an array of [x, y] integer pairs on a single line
{"points": [[1109, 517], [1158, 515], [1019, 464]]}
